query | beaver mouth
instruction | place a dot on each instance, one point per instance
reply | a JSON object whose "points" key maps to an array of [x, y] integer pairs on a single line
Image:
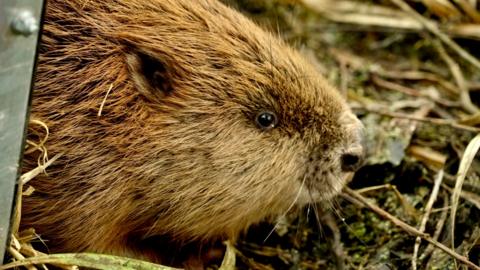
{"points": [[325, 190]]}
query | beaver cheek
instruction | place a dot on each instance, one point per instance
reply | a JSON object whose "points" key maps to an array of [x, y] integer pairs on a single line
{"points": [[325, 175]]}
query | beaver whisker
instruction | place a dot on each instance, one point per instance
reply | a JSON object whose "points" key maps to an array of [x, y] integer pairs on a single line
{"points": [[317, 217], [309, 207], [288, 209]]}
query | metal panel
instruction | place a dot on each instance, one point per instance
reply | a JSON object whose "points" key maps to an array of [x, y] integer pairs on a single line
{"points": [[19, 28]]}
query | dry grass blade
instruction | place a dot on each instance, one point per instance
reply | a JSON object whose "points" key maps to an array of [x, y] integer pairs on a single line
{"points": [[228, 262], [469, 9], [26, 177], [89, 260], [459, 79], [428, 156], [363, 14], [104, 100], [471, 120], [359, 63], [442, 8], [438, 228], [409, 91], [471, 197], [378, 18], [40, 146], [21, 182], [409, 229], [436, 31], [428, 209], [409, 209], [368, 20], [18, 256], [466, 30], [434, 121], [470, 152]]}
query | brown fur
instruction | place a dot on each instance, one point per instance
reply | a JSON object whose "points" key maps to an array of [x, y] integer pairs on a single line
{"points": [[176, 155]]}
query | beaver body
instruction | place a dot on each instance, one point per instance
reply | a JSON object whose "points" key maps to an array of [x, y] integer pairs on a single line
{"points": [[208, 125]]}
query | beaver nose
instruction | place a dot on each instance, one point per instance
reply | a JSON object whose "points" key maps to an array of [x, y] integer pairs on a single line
{"points": [[352, 155], [351, 161]]}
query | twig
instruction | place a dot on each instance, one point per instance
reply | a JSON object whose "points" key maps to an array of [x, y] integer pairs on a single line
{"points": [[428, 209], [459, 78], [410, 91], [469, 187], [18, 256], [469, 10], [471, 197], [409, 229], [417, 75], [360, 63], [435, 121], [27, 250], [428, 156], [336, 242], [380, 18], [18, 250], [436, 31], [438, 228], [471, 120], [252, 264], [409, 209]]}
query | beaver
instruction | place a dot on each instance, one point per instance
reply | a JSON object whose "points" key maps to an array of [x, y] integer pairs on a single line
{"points": [[179, 122]]}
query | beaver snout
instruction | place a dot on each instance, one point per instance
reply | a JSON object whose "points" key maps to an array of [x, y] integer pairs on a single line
{"points": [[353, 155], [353, 159]]}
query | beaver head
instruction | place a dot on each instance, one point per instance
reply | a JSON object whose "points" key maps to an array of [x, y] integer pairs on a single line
{"points": [[208, 125]]}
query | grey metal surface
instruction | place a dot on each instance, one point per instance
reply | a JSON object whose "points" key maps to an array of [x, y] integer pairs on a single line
{"points": [[19, 25]]}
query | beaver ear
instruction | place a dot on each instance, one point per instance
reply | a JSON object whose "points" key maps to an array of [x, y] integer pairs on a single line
{"points": [[151, 75]]}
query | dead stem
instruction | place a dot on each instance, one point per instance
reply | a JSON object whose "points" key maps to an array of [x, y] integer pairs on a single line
{"points": [[438, 228], [104, 100], [410, 91], [428, 209], [459, 78], [336, 241], [434, 121], [433, 28], [409, 229], [465, 163]]}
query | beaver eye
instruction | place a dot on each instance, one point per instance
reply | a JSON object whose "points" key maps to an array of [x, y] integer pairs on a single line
{"points": [[266, 120]]}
